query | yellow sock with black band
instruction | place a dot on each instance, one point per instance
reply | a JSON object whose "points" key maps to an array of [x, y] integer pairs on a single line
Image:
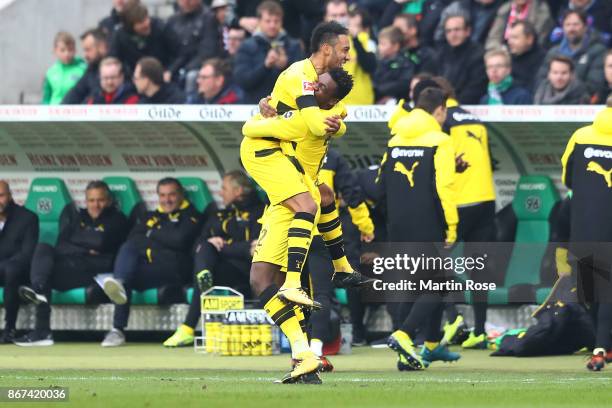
{"points": [[331, 230], [283, 315], [299, 237]]}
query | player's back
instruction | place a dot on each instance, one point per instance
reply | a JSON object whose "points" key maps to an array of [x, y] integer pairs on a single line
{"points": [[293, 83]]}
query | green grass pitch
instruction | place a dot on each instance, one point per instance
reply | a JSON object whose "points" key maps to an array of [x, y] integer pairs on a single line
{"points": [[147, 375]]}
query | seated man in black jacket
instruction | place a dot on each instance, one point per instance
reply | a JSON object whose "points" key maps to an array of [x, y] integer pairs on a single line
{"points": [[18, 237], [224, 250], [156, 254], [149, 81], [88, 241]]}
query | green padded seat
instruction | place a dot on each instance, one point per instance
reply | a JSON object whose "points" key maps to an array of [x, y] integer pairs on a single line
{"points": [[197, 192], [189, 295], [124, 192], [47, 198], [76, 296], [341, 296], [1, 296], [146, 297], [542, 294], [533, 202]]}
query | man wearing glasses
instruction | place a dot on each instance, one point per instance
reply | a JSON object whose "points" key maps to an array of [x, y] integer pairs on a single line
{"points": [[113, 87]]}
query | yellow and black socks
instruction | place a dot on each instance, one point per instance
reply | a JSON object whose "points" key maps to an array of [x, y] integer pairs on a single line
{"points": [[331, 230], [283, 315], [299, 237]]}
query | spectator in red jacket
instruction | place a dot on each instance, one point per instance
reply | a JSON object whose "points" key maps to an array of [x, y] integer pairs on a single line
{"points": [[113, 87], [215, 86]]}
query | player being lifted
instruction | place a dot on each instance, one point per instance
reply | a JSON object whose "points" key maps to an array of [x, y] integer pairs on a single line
{"points": [[273, 165]]}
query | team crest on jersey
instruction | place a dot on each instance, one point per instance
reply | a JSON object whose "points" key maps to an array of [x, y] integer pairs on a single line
{"points": [[288, 114], [307, 88]]}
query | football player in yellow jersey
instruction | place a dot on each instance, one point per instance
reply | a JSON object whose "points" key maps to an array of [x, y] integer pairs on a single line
{"points": [[282, 180], [281, 177]]}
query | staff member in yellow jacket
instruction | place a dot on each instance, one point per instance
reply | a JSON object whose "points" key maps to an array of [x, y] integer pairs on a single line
{"points": [[587, 171], [475, 196], [416, 175]]}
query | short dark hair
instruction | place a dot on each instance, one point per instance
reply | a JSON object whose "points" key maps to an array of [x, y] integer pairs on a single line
{"points": [[326, 33], [271, 7], [99, 185], [152, 69], [465, 16], [446, 86], [562, 59], [366, 18], [241, 179], [170, 180], [98, 34], [344, 82], [410, 19], [221, 66], [581, 15], [133, 13], [422, 85], [431, 99], [528, 28]]}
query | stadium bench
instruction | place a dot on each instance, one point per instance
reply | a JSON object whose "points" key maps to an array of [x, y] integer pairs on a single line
{"points": [[47, 198], [532, 207], [197, 192]]}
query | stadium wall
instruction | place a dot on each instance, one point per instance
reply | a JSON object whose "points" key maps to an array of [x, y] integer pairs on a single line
{"points": [[81, 143]]}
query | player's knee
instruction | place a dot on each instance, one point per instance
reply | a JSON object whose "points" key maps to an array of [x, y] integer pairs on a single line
{"points": [[327, 195], [259, 278], [302, 202]]}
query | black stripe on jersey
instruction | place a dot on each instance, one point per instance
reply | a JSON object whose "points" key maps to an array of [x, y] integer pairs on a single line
{"points": [[297, 164], [282, 108], [305, 101], [267, 152]]}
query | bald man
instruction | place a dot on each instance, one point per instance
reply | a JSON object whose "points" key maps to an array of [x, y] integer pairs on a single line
{"points": [[18, 237]]}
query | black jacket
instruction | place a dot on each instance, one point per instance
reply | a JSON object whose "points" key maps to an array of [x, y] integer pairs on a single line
{"points": [[428, 20], [88, 84], [18, 238], [80, 234], [161, 43], [200, 37], [464, 68], [238, 225], [393, 76], [251, 74], [168, 93], [163, 237], [524, 66], [111, 23]]}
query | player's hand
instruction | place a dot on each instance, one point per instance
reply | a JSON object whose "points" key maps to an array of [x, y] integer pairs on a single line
{"points": [[333, 124], [282, 59], [249, 23], [367, 258], [367, 238], [460, 164], [252, 248], [266, 110], [217, 242], [271, 58]]}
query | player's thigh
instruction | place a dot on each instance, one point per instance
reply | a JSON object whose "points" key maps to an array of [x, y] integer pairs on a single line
{"points": [[274, 173], [271, 246]]}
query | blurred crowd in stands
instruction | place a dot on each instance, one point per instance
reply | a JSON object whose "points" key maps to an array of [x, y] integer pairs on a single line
{"points": [[510, 52]]}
